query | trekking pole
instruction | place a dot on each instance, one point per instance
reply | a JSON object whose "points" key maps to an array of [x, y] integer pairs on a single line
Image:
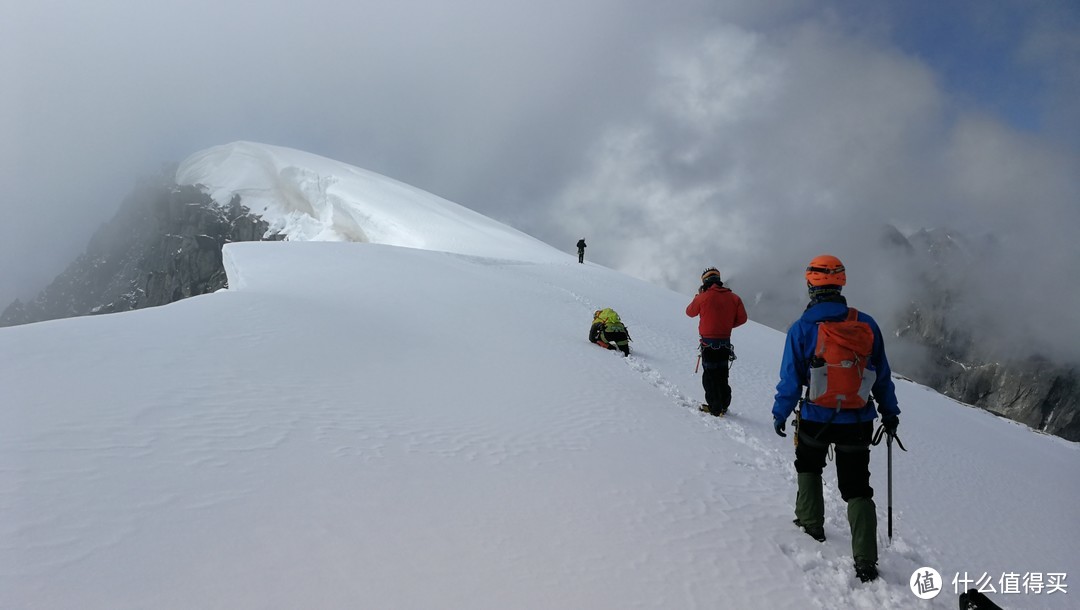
{"points": [[697, 364]]}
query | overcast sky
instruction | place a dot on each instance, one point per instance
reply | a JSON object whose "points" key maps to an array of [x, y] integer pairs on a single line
{"points": [[750, 135]]}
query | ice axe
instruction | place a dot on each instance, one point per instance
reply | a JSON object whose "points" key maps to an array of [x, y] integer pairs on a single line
{"points": [[888, 451], [888, 446]]}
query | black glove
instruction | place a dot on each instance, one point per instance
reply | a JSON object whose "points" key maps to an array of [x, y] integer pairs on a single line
{"points": [[890, 422], [780, 424]]}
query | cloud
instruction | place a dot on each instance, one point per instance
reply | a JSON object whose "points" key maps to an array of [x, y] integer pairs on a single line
{"points": [[746, 134], [761, 145], [477, 101], [761, 151]]}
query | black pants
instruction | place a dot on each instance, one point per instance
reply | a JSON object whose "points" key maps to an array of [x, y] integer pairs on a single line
{"points": [[714, 377], [619, 340], [581, 256], [852, 454]]}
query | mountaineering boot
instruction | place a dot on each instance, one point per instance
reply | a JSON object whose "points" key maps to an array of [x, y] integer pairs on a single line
{"points": [[810, 506], [862, 517], [866, 572], [705, 408], [817, 533]]}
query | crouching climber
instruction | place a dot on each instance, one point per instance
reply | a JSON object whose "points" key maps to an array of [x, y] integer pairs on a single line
{"points": [[609, 332]]}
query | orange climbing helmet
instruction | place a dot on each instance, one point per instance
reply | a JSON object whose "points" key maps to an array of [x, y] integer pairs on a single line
{"points": [[825, 270], [710, 272]]}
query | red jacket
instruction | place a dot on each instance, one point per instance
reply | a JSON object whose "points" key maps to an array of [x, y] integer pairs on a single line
{"points": [[720, 309]]}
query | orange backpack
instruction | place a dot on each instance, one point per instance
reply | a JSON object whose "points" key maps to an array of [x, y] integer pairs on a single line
{"points": [[839, 376]]}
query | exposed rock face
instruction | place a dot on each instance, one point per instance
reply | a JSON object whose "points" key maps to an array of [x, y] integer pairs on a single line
{"points": [[958, 359], [164, 244], [1037, 393]]}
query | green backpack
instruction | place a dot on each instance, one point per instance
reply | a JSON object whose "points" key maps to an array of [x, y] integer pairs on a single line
{"points": [[611, 320]]}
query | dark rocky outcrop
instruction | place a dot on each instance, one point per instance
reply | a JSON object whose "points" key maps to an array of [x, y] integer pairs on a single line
{"points": [[164, 244], [1035, 392], [959, 357]]}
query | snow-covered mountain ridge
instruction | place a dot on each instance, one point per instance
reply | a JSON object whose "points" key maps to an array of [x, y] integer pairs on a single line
{"points": [[165, 244], [362, 425]]}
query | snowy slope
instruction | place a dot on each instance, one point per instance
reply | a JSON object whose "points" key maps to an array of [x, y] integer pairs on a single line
{"points": [[360, 425]]}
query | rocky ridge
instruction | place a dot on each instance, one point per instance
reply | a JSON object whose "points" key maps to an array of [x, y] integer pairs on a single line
{"points": [[164, 244]]}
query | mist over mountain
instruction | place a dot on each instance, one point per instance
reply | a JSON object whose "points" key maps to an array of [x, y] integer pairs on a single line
{"points": [[946, 323], [925, 288], [1010, 369], [163, 244]]}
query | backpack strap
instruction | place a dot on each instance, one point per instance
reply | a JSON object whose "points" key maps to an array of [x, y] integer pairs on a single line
{"points": [[852, 314]]}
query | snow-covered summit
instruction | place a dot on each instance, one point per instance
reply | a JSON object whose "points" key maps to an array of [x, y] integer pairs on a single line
{"points": [[307, 197]]}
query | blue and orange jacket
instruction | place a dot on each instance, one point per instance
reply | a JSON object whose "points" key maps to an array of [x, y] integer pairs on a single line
{"points": [[795, 371]]}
